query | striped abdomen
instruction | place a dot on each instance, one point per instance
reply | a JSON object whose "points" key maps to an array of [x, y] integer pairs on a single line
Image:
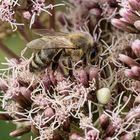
{"points": [[43, 58]]}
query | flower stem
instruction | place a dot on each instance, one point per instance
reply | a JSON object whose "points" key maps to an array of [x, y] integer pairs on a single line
{"points": [[8, 51], [23, 33], [52, 17]]}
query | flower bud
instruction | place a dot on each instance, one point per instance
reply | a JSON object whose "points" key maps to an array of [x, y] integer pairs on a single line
{"points": [[91, 135], [46, 81], [118, 23], [137, 24], [134, 4], [92, 73], [129, 136], [26, 93], [130, 102], [129, 73], [129, 16], [49, 112], [110, 130], [75, 136], [20, 131], [81, 76], [127, 60], [104, 121], [121, 24], [103, 95], [136, 70], [136, 47]]}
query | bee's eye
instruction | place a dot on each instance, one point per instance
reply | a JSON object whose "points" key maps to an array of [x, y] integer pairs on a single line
{"points": [[93, 53]]}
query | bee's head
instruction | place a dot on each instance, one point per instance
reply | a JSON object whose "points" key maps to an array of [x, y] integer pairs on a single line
{"points": [[81, 40]]}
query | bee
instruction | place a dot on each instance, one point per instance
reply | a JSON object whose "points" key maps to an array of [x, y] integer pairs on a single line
{"points": [[54, 46]]}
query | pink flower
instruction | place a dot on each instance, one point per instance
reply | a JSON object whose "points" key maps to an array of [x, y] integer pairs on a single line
{"points": [[7, 13], [39, 7]]}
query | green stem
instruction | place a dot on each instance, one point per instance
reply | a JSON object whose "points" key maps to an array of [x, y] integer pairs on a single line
{"points": [[100, 109], [8, 52]]}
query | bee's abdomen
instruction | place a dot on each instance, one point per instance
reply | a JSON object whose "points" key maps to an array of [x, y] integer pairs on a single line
{"points": [[41, 60]]}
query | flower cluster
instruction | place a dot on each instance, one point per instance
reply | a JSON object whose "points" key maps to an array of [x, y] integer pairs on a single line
{"points": [[130, 22], [37, 8], [86, 101], [130, 17], [29, 9], [47, 101], [7, 13], [134, 72]]}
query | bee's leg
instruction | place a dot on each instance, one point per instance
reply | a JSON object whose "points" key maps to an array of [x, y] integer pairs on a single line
{"points": [[55, 59], [54, 65], [70, 67], [66, 66]]}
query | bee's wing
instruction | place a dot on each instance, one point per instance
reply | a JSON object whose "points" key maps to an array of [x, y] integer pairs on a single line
{"points": [[46, 32], [52, 42]]}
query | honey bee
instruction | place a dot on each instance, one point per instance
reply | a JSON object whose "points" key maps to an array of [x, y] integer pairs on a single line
{"points": [[52, 46]]}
